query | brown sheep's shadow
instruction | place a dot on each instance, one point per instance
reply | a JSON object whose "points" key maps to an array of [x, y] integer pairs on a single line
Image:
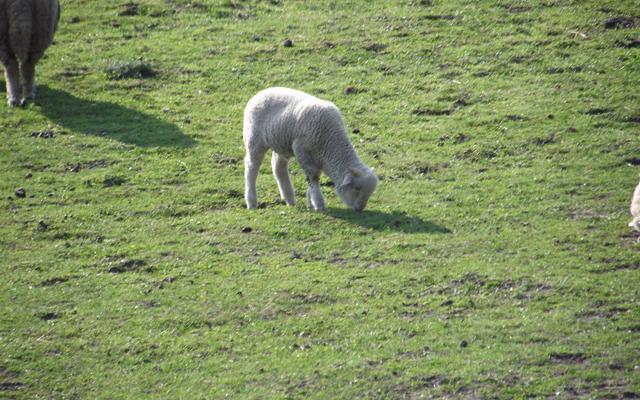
{"points": [[111, 120], [395, 221]]}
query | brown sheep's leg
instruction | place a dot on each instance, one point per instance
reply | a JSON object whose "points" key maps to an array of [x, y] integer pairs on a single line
{"points": [[12, 75], [28, 82]]}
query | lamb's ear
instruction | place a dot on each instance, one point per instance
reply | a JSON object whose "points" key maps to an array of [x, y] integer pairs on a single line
{"points": [[356, 172], [348, 179]]}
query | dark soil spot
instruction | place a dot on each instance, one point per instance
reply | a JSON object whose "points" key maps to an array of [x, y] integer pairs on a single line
{"points": [[551, 138], [431, 112], [222, 159], [42, 226], [127, 265], [514, 117], [461, 138], [630, 44], [312, 298], [632, 161], [624, 267], [375, 47], [246, 229], [464, 344], [459, 103], [10, 386], [49, 316], [287, 43], [44, 134], [88, 165], [438, 17], [54, 281], [515, 9], [21, 193], [430, 168], [129, 9], [355, 130], [567, 358], [598, 111], [561, 70], [620, 23], [74, 20], [110, 181]]}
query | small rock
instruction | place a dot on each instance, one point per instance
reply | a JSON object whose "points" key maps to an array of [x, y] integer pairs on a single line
{"points": [[620, 23], [166, 110], [28, 175], [349, 90], [246, 229], [287, 43], [21, 193]]}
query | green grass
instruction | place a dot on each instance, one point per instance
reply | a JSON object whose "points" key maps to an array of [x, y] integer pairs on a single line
{"points": [[494, 261]]}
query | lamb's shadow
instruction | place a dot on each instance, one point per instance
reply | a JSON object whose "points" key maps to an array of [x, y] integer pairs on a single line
{"points": [[396, 220], [111, 120]]}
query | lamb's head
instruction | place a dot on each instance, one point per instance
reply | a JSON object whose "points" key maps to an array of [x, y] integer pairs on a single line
{"points": [[356, 187]]}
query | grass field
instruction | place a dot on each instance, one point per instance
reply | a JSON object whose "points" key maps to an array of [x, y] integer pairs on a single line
{"points": [[493, 261]]}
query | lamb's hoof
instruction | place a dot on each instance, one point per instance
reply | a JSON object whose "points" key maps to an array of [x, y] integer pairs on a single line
{"points": [[13, 103], [24, 102]]}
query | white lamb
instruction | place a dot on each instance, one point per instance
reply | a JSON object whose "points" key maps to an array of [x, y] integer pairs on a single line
{"points": [[635, 209], [293, 123]]}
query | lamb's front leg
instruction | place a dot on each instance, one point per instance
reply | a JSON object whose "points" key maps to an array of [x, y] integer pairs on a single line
{"points": [[280, 169], [315, 199], [312, 173]]}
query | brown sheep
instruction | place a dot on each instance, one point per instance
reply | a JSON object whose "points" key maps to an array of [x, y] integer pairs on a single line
{"points": [[26, 30]]}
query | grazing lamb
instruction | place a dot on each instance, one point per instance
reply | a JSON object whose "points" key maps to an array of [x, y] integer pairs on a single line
{"points": [[293, 123], [635, 209], [26, 30]]}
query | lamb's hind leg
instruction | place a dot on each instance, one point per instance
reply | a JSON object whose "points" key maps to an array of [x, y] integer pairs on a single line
{"points": [[252, 162], [279, 165], [315, 199], [12, 76]]}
